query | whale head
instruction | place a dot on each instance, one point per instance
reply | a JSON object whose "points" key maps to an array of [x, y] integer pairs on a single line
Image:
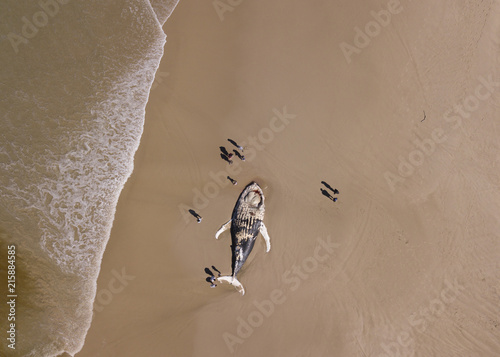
{"points": [[252, 195]]}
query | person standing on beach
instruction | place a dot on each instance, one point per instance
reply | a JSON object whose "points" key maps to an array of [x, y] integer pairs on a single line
{"points": [[230, 158], [196, 215], [242, 157], [225, 158], [235, 144], [326, 194]]}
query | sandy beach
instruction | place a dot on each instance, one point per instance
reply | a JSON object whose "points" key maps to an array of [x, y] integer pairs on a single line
{"points": [[393, 103]]}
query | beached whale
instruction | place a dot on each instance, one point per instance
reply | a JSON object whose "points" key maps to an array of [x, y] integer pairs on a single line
{"points": [[246, 222]]}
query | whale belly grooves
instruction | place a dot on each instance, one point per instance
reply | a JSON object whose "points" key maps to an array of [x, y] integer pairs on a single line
{"points": [[244, 230], [246, 225]]}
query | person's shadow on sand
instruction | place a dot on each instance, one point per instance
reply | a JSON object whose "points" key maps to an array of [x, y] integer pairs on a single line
{"points": [[327, 185], [225, 158], [211, 277], [334, 190], [326, 194], [223, 150], [235, 144], [217, 270], [195, 215], [241, 157]]}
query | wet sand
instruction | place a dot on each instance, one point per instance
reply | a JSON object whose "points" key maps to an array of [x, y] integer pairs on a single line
{"points": [[405, 263]]}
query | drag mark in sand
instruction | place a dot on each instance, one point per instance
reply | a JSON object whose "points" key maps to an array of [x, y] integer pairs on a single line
{"points": [[425, 148], [293, 279], [253, 144], [404, 344]]}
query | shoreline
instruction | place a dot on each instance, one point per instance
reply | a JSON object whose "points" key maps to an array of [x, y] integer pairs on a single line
{"points": [[390, 251]]}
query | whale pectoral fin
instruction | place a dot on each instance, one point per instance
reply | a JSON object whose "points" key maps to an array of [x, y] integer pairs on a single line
{"points": [[223, 228], [263, 231]]}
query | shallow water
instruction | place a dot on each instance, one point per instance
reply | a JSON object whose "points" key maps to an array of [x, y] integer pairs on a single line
{"points": [[74, 81]]}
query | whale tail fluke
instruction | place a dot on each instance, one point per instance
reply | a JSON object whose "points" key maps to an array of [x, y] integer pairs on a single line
{"points": [[233, 281]]}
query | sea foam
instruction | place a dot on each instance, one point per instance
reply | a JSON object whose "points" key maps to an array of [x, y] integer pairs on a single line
{"points": [[74, 98]]}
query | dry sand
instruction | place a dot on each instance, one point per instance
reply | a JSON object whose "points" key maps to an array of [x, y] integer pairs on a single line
{"points": [[411, 270]]}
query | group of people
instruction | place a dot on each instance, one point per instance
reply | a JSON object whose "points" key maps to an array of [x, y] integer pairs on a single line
{"points": [[211, 277], [225, 155], [228, 156], [327, 194]]}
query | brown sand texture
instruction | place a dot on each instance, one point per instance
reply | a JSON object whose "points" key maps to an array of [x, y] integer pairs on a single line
{"points": [[405, 263]]}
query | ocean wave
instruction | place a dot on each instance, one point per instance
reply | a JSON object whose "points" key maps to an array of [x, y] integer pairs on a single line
{"points": [[74, 98]]}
